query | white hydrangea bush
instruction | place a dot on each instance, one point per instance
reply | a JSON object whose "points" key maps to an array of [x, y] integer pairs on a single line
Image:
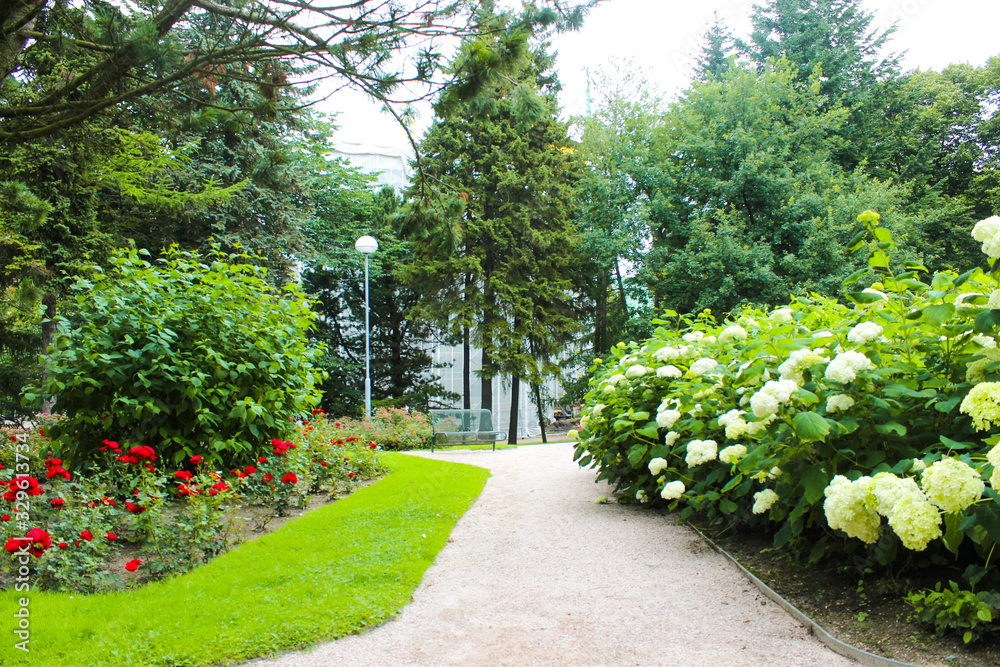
{"points": [[857, 403]]}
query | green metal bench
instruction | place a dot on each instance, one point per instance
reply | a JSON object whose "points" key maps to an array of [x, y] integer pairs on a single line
{"points": [[464, 427]]}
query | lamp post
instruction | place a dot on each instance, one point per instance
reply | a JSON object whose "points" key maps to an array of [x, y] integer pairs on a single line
{"points": [[366, 245]]}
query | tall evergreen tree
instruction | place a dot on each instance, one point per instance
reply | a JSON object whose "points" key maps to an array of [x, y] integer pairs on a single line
{"points": [[719, 45], [503, 271]]}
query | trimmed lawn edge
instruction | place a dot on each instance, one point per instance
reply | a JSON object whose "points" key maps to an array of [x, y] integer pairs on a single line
{"points": [[337, 570]]}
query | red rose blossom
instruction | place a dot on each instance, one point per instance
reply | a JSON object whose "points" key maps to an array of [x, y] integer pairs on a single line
{"points": [[5, 517], [262, 459], [196, 459], [87, 535], [249, 470], [57, 503], [111, 536], [183, 474], [63, 545], [268, 477], [289, 478], [133, 565]]}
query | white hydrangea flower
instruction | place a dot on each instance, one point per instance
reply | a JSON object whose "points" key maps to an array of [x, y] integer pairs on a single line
{"points": [[667, 418], [615, 379], [982, 403], [733, 331], [732, 454], [730, 417], [657, 465], [670, 438], [799, 360], [918, 466], [915, 521], [764, 500], [672, 490], [693, 337], [988, 233], [774, 392], [775, 473], [668, 372], [993, 456], [702, 366], [701, 451], [994, 300], [845, 365], [736, 428], [839, 403], [666, 354], [627, 360], [753, 428], [598, 409], [781, 315], [961, 298], [952, 485], [888, 489], [668, 403], [636, 371], [822, 334], [864, 333], [573, 434], [987, 341], [609, 389], [641, 496], [975, 372], [850, 507]]}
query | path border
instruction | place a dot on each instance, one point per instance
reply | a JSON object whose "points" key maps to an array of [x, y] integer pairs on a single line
{"points": [[836, 645]]}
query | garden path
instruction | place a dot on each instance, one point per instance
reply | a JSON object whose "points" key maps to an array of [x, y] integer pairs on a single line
{"points": [[536, 573]]}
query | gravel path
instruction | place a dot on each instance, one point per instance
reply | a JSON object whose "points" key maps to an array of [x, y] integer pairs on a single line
{"points": [[536, 573]]}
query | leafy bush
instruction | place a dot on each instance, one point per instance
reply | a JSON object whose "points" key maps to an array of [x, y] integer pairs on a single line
{"points": [[956, 609], [394, 429], [190, 355], [818, 420], [170, 517]]}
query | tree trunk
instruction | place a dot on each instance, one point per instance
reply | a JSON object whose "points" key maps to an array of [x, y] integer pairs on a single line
{"points": [[536, 389], [515, 391], [601, 345], [49, 337], [466, 368], [621, 290]]}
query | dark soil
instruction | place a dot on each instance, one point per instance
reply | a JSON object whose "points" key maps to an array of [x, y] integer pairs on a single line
{"points": [[866, 612]]}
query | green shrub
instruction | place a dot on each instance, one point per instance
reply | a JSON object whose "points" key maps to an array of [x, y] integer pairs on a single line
{"points": [[864, 428], [953, 609], [190, 355], [394, 429]]}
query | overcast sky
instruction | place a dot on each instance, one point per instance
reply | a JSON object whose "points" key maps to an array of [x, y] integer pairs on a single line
{"points": [[662, 37]]}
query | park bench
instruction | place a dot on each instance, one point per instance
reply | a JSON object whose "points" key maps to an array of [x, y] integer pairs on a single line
{"points": [[464, 427]]}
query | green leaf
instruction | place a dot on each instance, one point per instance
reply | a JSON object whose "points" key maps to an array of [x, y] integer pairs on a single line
{"points": [[814, 482], [856, 242], [856, 276], [727, 506], [891, 427], [965, 276], [987, 321], [636, 454], [810, 427], [938, 314]]}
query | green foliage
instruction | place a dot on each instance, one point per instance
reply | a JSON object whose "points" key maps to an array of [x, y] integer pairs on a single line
{"points": [[759, 420], [370, 550], [954, 609], [394, 429], [192, 355]]}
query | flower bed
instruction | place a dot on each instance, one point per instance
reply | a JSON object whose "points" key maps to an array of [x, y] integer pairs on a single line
{"points": [[863, 430], [134, 517]]}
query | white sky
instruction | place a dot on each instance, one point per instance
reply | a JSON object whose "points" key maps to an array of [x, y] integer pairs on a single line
{"points": [[662, 37]]}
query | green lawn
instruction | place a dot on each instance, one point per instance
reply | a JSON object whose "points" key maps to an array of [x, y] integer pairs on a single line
{"points": [[335, 571]]}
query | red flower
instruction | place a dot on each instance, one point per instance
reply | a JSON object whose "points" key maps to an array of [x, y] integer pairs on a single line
{"points": [[372, 445], [196, 459], [262, 459], [37, 541], [26, 484], [87, 535], [108, 501], [57, 503], [351, 438], [183, 474], [318, 411], [289, 478], [237, 473], [16, 544], [186, 490], [249, 470], [337, 424], [112, 445], [63, 545], [133, 508], [56, 471], [149, 468], [76, 543], [111, 536], [268, 477], [5, 517], [133, 565], [351, 475], [137, 454], [323, 463], [53, 463], [221, 486]]}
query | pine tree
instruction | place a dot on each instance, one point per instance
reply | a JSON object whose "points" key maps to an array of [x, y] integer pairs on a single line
{"points": [[502, 272], [719, 46]]}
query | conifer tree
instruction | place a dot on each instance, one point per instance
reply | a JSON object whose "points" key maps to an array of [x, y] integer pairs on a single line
{"points": [[501, 269]]}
